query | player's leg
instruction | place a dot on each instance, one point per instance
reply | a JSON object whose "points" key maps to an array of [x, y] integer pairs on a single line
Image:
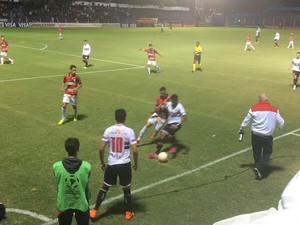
{"points": [[125, 176], [65, 218], [74, 105], [82, 218], [194, 65], [267, 146], [199, 63], [66, 100], [149, 123], [246, 47], [84, 59], [149, 67], [252, 47], [257, 152], [295, 80], [2, 58], [159, 124], [163, 134], [110, 179], [156, 66]]}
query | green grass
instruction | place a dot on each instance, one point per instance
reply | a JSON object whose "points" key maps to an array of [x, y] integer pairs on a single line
{"points": [[216, 101]]}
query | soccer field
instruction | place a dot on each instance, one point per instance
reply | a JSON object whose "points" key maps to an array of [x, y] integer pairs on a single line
{"points": [[209, 179]]}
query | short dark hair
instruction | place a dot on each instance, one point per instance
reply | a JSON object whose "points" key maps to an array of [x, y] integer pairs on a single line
{"points": [[162, 89], [72, 67], [72, 146], [174, 97], [120, 115], [150, 45]]}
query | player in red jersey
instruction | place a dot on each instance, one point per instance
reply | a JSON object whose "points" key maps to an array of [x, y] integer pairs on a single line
{"points": [[60, 32], [151, 52], [70, 85], [248, 45], [160, 115], [4, 48], [291, 43]]}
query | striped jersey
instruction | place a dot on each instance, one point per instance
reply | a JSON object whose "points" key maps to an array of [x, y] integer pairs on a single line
{"points": [[119, 138]]}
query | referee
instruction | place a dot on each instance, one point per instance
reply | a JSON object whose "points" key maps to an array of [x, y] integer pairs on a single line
{"points": [[264, 118]]}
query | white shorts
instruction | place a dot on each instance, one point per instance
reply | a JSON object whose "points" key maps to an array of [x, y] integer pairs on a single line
{"points": [[4, 54], [67, 98], [150, 62], [248, 43], [157, 121]]}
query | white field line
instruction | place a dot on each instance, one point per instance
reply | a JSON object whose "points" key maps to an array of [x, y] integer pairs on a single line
{"points": [[182, 174], [28, 213], [77, 56], [90, 72], [20, 46]]}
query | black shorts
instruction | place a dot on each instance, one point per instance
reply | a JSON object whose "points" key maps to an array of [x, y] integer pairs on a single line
{"points": [[123, 171], [171, 128], [85, 57], [82, 218], [197, 58], [296, 73]]}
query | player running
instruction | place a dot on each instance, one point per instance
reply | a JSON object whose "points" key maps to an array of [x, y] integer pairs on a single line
{"points": [[70, 85], [197, 57], [151, 52], [291, 43], [296, 69], [4, 48], [158, 118], [248, 44]]}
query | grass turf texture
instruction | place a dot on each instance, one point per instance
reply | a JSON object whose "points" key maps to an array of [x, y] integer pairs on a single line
{"points": [[216, 101]]}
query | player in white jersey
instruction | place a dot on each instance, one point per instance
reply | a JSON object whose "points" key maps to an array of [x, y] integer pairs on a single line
{"points": [[276, 40], [86, 51], [296, 69], [121, 140], [257, 35], [176, 117]]}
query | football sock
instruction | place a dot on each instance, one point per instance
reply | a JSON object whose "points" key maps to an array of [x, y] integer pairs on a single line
{"points": [[148, 69], [101, 196], [142, 132], [159, 146], [63, 113], [295, 81], [2, 60], [194, 67], [200, 66], [127, 199]]}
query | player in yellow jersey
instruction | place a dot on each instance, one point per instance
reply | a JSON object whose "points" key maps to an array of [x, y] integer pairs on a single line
{"points": [[197, 57]]}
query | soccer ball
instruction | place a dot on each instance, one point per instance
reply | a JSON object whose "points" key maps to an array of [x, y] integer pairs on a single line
{"points": [[163, 157]]}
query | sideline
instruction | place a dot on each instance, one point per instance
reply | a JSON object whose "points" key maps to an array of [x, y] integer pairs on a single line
{"points": [[182, 174], [28, 213]]}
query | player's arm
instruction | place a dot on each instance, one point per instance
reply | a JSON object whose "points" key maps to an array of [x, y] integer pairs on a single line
{"points": [[101, 154], [62, 87], [183, 118]]}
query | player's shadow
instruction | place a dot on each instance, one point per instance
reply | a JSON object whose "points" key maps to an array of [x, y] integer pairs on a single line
{"points": [[71, 118], [90, 65], [118, 209], [184, 149], [269, 168], [220, 180]]}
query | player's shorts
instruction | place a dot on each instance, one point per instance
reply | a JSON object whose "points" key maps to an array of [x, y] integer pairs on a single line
{"points": [[248, 43], [296, 73], [123, 171], [276, 41], [3, 54], [85, 57], [171, 129], [291, 42], [155, 119], [67, 98], [151, 62], [197, 58]]}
